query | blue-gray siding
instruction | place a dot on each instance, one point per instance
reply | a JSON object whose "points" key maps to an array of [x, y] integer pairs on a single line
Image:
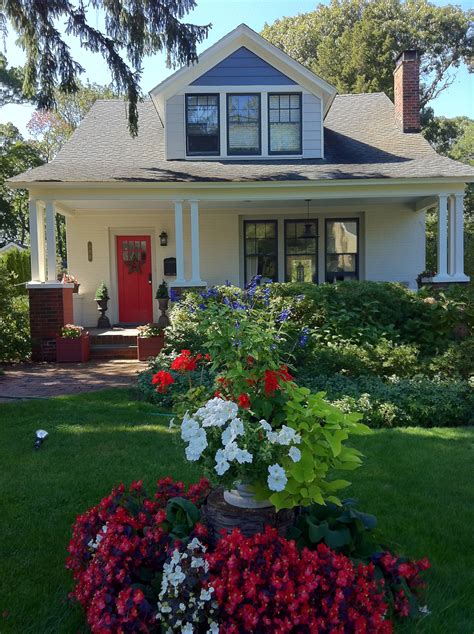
{"points": [[243, 68]]}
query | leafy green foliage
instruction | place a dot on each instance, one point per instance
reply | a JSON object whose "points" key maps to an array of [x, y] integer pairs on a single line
{"points": [[324, 429], [15, 342], [353, 43], [343, 528], [399, 402], [181, 517], [16, 156], [18, 262], [102, 292], [131, 31]]}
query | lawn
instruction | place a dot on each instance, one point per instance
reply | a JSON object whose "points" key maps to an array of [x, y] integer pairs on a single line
{"points": [[418, 482]]}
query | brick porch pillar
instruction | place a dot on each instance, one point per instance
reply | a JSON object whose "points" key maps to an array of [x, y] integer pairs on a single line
{"points": [[50, 309]]}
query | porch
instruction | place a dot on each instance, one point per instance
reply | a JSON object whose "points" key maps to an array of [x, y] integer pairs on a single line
{"points": [[209, 234]]}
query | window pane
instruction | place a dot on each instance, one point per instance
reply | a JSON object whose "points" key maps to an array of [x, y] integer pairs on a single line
{"points": [[285, 124], [274, 101], [341, 236], [342, 263], [202, 133], [243, 125], [301, 268], [261, 250]]}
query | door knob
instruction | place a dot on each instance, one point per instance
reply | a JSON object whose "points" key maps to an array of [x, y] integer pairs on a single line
{"points": [[149, 278]]}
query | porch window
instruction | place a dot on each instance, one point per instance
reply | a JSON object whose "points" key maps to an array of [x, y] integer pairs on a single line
{"points": [[261, 250], [301, 250], [284, 124], [202, 125], [342, 249], [243, 124]]}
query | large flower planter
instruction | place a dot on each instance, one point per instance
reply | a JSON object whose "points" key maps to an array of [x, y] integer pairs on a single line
{"points": [[149, 346], [72, 350]]}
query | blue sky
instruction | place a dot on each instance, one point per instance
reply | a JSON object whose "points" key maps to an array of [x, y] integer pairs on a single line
{"points": [[225, 15]]}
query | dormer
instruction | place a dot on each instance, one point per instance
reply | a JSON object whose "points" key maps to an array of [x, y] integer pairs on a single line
{"points": [[244, 99]]}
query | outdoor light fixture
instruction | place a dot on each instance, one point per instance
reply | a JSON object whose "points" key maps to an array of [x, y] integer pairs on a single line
{"points": [[300, 272], [41, 436], [163, 239]]}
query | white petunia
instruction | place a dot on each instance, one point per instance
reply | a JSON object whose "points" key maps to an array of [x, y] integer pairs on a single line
{"points": [[189, 428], [295, 454], [243, 456], [187, 629], [276, 478], [265, 426]]}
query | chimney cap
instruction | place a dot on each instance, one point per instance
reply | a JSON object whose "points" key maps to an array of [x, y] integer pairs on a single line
{"points": [[408, 55]]}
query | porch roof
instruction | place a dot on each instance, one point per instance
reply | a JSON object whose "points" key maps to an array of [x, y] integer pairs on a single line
{"points": [[362, 141]]}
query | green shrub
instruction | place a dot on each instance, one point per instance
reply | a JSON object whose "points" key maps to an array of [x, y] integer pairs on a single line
{"points": [[18, 263], [400, 402], [15, 342], [457, 361]]}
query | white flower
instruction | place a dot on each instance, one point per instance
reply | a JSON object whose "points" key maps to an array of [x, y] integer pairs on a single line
{"points": [[196, 446], [265, 426], [243, 456], [295, 454], [189, 428], [206, 595], [276, 478], [221, 467], [187, 629], [213, 628]]}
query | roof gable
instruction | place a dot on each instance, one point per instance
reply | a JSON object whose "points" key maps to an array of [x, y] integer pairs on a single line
{"points": [[243, 67], [242, 37]]}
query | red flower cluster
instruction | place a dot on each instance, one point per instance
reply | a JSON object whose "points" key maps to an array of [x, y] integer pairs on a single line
{"points": [[162, 379], [402, 579], [117, 546], [243, 401], [186, 362], [273, 379], [263, 584]]}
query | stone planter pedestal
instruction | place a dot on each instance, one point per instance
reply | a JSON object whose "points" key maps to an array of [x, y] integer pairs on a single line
{"points": [[221, 515]]}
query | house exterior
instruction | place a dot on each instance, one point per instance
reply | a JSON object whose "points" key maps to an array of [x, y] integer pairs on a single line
{"points": [[8, 247], [245, 163]]}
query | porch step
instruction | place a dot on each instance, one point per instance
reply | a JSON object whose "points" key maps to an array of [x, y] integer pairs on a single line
{"points": [[114, 351], [113, 343]]}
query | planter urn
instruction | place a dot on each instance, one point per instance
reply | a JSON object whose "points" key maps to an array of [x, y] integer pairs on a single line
{"points": [[149, 346], [73, 350], [163, 320], [103, 321]]}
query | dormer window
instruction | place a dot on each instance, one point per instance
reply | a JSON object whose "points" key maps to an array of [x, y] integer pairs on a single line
{"points": [[243, 124], [284, 123], [202, 125]]}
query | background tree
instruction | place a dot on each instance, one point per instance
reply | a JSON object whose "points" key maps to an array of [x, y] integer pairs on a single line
{"points": [[353, 43], [11, 83], [16, 156], [131, 31]]}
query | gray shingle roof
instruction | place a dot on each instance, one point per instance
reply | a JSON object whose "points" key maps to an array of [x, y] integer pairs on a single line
{"points": [[362, 140]]}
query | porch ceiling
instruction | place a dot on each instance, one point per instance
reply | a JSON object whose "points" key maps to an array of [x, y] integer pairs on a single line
{"points": [[97, 206]]}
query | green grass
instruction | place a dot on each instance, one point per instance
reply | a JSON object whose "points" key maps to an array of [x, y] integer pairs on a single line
{"points": [[418, 483]]}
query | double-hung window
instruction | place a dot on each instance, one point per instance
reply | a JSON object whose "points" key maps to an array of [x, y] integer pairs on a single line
{"points": [[284, 123], [342, 249], [243, 124], [301, 250], [261, 250], [202, 125]]}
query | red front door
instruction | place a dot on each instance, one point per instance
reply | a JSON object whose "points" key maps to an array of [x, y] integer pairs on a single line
{"points": [[134, 279]]}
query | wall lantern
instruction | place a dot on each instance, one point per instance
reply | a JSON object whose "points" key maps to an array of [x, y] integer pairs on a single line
{"points": [[300, 272], [163, 239]]}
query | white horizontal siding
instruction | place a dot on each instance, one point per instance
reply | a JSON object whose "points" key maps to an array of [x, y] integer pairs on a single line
{"points": [[174, 128], [312, 126]]}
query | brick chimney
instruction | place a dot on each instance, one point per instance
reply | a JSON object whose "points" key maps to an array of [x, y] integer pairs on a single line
{"points": [[406, 78]]}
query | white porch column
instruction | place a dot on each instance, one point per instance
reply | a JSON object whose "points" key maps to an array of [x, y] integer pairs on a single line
{"points": [[451, 235], [51, 241], [34, 241], [195, 253], [42, 242], [442, 275], [458, 239], [178, 223]]}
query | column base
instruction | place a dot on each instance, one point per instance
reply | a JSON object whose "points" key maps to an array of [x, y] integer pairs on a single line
{"points": [[51, 308]]}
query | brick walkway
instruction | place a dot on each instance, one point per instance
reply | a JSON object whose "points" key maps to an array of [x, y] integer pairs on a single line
{"points": [[55, 379]]}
